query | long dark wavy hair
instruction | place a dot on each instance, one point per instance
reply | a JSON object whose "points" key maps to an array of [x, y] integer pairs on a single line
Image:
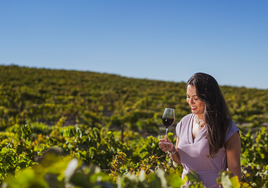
{"points": [[216, 113]]}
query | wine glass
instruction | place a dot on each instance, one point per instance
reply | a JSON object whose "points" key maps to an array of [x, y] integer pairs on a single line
{"points": [[168, 119]]}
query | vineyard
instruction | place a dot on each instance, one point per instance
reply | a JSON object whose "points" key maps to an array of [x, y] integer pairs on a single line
{"points": [[64, 128]]}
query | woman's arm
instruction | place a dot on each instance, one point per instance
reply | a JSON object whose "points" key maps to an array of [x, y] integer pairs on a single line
{"points": [[176, 157], [233, 151], [170, 147]]}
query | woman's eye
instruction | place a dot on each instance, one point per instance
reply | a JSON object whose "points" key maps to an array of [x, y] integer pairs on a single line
{"points": [[196, 99]]}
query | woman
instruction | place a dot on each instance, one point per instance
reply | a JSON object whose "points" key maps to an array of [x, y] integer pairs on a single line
{"points": [[208, 141]]}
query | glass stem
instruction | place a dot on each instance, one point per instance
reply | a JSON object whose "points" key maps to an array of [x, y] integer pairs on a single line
{"points": [[166, 130]]}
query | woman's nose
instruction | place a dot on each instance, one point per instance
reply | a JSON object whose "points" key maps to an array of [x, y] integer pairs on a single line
{"points": [[191, 101]]}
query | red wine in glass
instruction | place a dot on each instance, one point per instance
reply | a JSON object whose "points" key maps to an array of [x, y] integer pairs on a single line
{"points": [[168, 118], [168, 121]]}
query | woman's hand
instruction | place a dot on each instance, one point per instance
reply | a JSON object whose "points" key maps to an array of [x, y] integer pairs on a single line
{"points": [[166, 145]]}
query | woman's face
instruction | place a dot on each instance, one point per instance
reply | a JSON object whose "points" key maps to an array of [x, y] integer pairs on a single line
{"points": [[197, 106]]}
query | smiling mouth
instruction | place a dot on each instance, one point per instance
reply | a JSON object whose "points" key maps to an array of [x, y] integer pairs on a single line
{"points": [[193, 108]]}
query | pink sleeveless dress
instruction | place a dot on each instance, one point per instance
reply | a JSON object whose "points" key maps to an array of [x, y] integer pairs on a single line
{"points": [[194, 152]]}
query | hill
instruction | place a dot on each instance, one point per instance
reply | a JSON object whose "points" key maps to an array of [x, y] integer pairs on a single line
{"points": [[99, 99]]}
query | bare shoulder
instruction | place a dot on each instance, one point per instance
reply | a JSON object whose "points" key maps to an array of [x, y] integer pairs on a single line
{"points": [[233, 142]]}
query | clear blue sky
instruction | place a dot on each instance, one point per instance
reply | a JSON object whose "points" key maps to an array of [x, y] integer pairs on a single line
{"points": [[154, 39]]}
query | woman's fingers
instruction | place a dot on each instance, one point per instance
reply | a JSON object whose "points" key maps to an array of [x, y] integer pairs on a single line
{"points": [[165, 146]]}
